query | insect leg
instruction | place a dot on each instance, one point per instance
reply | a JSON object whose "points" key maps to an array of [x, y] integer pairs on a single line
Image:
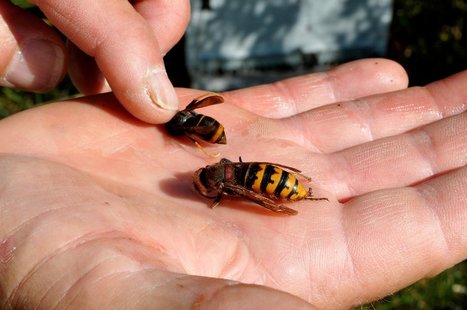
{"points": [[205, 152], [202, 149], [217, 200], [309, 196]]}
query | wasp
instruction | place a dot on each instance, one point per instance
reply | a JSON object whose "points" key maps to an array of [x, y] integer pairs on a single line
{"points": [[198, 127], [261, 182]]}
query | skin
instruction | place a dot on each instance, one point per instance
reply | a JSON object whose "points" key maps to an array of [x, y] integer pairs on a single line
{"points": [[97, 208], [113, 45]]}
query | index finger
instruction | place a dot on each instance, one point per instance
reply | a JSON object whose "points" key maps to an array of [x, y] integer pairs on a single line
{"points": [[125, 48]]}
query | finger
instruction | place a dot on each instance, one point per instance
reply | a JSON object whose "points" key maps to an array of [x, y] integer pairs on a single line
{"points": [[345, 82], [168, 21], [33, 55], [398, 236], [335, 127], [401, 160], [84, 72], [126, 51]]}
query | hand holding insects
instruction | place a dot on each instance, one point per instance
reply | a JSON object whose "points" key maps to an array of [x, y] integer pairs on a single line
{"points": [[115, 45], [97, 208]]}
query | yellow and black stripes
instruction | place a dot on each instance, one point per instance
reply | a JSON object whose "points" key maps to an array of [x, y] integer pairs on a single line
{"points": [[216, 134], [260, 182], [198, 127], [271, 180], [206, 128]]}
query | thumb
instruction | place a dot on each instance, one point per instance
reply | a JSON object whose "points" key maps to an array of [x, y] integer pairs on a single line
{"points": [[126, 50]]}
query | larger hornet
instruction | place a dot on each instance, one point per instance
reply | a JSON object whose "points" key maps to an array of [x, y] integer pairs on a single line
{"points": [[261, 182]]}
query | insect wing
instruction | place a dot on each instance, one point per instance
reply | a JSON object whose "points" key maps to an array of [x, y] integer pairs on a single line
{"points": [[282, 166], [293, 170], [259, 199], [205, 101]]}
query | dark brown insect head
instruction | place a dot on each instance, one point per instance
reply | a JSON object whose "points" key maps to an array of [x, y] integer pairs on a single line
{"points": [[209, 181]]}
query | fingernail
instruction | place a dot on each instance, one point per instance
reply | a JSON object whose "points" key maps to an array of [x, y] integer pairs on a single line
{"points": [[161, 91], [37, 65]]}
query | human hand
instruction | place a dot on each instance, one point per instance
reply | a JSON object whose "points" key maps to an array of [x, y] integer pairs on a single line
{"points": [[126, 40], [97, 208]]}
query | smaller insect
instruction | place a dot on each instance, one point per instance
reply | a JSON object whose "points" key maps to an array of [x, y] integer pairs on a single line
{"points": [[261, 182], [198, 127]]}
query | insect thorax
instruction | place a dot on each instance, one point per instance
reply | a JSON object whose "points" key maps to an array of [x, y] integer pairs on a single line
{"points": [[176, 125]]}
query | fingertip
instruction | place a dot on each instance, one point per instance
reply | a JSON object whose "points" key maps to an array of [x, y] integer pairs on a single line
{"points": [[152, 100], [392, 74], [161, 90], [365, 77], [37, 65], [146, 105], [33, 56]]}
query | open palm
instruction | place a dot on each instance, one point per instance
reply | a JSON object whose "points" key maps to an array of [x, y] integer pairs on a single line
{"points": [[97, 208]]}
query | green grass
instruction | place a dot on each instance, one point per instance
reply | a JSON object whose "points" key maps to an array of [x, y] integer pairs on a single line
{"points": [[12, 101], [429, 39], [448, 290], [22, 3]]}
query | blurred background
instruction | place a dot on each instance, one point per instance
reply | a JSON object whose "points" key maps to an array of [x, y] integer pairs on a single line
{"points": [[233, 44]]}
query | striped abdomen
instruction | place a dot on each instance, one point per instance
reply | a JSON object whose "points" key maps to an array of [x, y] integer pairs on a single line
{"points": [[271, 180], [206, 128]]}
